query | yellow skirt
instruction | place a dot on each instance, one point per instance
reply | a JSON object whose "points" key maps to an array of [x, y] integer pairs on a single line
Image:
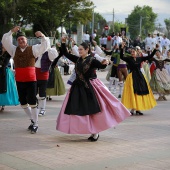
{"points": [[134, 101]]}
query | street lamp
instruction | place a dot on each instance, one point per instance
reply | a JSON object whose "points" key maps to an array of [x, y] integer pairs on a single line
{"points": [[140, 31], [92, 27], [62, 21]]}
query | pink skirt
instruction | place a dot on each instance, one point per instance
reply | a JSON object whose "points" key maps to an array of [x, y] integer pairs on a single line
{"points": [[112, 113]]}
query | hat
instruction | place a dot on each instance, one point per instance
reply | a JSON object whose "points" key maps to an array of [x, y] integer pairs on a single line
{"points": [[19, 34], [137, 47]]}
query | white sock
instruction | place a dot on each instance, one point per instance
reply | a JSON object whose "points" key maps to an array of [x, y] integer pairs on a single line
{"points": [[28, 112], [35, 115]]}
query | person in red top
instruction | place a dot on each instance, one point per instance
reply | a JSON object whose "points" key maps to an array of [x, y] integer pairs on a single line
{"points": [[42, 65], [24, 61]]}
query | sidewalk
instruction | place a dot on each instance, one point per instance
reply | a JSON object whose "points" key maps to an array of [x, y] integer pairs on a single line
{"points": [[138, 143]]}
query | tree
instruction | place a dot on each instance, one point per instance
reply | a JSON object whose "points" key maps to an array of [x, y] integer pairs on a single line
{"points": [[117, 27], [99, 23], [167, 23], [44, 15], [147, 18]]}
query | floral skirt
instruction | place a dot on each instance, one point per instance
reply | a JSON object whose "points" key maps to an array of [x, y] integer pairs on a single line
{"points": [[160, 82], [112, 113], [134, 101]]}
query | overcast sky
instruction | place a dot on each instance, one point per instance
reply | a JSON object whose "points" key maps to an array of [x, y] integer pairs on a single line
{"points": [[124, 7]]}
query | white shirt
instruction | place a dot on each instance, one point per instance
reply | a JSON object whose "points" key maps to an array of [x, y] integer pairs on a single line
{"points": [[52, 54], [37, 49]]}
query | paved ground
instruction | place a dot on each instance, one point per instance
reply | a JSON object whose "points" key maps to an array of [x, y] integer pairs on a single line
{"points": [[139, 143]]}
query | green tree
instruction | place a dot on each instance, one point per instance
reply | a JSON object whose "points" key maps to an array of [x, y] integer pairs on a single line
{"points": [[99, 23], [144, 14], [117, 27], [167, 23], [44, 15]]}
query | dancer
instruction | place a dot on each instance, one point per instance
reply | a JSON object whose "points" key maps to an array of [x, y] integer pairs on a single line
{"points": [[42, 66], [89, 107], [8, 90], [24, 61], [137, 94], [167, 64], [160, 80], [55, 86]]}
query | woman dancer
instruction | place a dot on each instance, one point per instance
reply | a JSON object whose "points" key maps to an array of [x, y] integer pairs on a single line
{"points": [[167, 64], [137, 94], [160, 80], [8, 90], [89, 107]]}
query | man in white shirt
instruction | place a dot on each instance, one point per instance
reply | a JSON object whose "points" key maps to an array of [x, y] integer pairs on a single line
{"points": [[24, 61], [148, 43]]}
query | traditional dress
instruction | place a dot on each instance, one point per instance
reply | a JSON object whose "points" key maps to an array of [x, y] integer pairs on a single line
{"points": [[8, 90], [55, 86], [89, 107], [160, 80], [137, 93]]}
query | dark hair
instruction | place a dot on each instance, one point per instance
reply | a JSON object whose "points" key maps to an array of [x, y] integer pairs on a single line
{"points": [[84, 45]]}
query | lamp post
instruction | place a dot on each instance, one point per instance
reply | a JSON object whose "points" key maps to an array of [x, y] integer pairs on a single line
{"points": [[62, 20], [140, 30], [92, 27]]}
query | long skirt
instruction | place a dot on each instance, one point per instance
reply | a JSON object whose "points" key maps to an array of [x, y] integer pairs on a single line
{"points": [[160, 81], [167, 66], [11, 96], [59, 87], [112, 113], [138, 102]]}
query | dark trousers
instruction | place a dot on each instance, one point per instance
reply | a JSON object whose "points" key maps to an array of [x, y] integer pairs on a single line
{"points": [[27, 92], [41, 87], [66, 68]]}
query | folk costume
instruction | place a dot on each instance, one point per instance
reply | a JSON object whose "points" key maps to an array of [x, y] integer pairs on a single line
{"points": [[8, 90], [42, 65], [137, 94], [89, 107], [25, 75], [160, 80]]}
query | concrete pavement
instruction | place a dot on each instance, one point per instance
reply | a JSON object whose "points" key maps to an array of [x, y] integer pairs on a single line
{"points": [[138, 143]]}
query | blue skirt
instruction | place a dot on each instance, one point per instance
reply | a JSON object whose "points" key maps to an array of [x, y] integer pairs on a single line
{"points": [[11, 96]]}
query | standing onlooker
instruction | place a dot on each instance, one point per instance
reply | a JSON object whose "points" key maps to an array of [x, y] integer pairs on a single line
{"points": [[25, 75]]}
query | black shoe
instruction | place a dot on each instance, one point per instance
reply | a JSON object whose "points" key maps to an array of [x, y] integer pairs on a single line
{"points": [[31, 125], [119, 96], [50, 98], [34, 129], [132, 113], [41, 113], [90, 137], [94, 139], [139, 113]]}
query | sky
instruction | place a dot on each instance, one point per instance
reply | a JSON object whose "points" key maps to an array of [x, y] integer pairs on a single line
{"points": [[124, 7]]}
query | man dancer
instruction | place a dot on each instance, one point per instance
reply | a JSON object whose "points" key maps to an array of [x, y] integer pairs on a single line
{"points": [[24, 61], [42, 74]]}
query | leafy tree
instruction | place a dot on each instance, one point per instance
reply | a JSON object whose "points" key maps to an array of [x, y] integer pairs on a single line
{"points": [[99, 23], [148, 19], [167, 23], [44, 15], [117, 27]]}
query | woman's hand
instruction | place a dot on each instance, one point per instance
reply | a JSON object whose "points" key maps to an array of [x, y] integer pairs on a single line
{"points": [[63, 39], [105, 62], [58, 44]]}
